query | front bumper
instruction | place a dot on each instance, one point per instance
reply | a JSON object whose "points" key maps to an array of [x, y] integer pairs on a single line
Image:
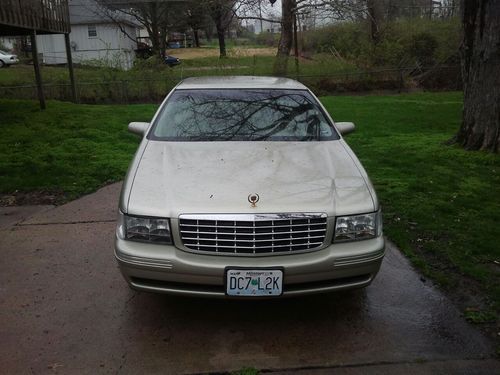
{"points": [[166, 269]]}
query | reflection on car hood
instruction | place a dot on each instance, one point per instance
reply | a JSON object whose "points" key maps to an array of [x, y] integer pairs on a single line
{"points": [[217, 177]]}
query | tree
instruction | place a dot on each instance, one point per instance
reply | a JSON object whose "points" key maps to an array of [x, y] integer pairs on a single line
{"points": [[374, 20], [333, 9], [286, 38], [196, 18], [480, 53], [155, 16], [222, 13]]}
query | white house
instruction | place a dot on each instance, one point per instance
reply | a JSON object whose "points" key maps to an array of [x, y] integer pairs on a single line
{"points": [[97, 36]]}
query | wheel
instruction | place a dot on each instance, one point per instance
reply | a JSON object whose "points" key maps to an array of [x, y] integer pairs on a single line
{"points": [[2, 64]]}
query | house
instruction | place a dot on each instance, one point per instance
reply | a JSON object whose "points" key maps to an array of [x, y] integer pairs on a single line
{"points": [[98, 36]]}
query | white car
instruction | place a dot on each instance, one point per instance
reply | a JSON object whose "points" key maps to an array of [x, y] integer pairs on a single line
{"points": [[243, 187], [7, 59]]}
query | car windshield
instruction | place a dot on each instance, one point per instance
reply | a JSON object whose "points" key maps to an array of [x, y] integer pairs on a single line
{"points": [[3, 52], [242, 115]]}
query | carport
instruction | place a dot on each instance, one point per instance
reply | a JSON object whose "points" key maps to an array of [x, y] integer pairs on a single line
{"points": [[33, 17]]}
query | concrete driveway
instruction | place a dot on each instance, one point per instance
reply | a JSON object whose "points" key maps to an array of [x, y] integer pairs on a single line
{"points": [[64, 308]]}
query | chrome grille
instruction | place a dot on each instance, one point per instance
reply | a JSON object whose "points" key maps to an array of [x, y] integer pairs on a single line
{"points": [[253, 234]]}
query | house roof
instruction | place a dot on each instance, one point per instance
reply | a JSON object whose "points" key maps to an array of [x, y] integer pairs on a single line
{"points": [[241, 82], [91, 12]]}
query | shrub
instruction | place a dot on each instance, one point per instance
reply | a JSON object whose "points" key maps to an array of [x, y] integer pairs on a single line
{"points": [[404, 41], [423, 48], [267, 39]]}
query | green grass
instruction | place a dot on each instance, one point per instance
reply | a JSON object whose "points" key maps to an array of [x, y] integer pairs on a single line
{"points": [[67, 148], [441, 204], [246, 371]]}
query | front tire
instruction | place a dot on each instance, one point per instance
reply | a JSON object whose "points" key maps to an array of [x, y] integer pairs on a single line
{"points": [[2, 64]]}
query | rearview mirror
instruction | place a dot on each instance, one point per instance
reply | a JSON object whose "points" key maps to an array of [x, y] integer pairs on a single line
{"points": [[138, 128], [345, 127]]}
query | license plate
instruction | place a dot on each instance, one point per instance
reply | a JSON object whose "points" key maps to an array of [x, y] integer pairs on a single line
{"points": [[254, 283]]}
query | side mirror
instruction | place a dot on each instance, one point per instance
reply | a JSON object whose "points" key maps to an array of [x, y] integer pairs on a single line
{"points": [[138, 128], [345, 127]]}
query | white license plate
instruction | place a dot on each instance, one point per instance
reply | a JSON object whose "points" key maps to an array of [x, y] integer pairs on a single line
{"points": [[254, 283]]}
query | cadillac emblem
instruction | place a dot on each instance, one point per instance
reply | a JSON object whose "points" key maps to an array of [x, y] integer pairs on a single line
{"points": [[253, 199]]}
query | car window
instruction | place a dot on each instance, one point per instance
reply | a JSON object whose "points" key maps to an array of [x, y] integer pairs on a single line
{"points": [[242, 115]]}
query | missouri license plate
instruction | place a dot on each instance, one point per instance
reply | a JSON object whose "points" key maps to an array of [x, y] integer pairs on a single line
{"points": [[254, 283]]}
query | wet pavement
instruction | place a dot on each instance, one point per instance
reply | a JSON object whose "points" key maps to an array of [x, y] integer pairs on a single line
{"points": [[64, 308], [11, 215]]}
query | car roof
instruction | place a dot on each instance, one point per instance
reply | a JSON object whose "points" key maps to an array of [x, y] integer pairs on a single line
{"points": [[240, 82]]}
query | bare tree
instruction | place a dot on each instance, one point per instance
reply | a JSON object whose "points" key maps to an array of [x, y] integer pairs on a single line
{"points": [[334, 9], [480, 54], [288, 9], [196, 19], [222, 13], [373, 15], [158, 17]]}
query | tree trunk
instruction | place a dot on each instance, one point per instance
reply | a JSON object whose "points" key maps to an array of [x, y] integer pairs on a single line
{"points": [[153, 34], [155, 41], [220, 13], [373, 18], [222, 39], [286, 38], [196, 38], [480, 52], [163, 42]]}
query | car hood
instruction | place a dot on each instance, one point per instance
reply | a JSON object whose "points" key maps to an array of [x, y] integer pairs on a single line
{"points": [[173, 178]]}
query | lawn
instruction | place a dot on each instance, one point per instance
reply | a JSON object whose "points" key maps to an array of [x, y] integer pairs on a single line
{"points": [[70, 149], [441, 204]]}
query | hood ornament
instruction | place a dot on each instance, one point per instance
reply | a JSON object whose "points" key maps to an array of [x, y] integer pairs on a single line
{"points": [[253, 198]]}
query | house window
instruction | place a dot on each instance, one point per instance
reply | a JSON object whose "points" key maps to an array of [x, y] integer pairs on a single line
{"points": [[92, 31]]}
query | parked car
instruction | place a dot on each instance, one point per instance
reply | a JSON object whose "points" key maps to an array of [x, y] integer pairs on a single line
{"points": [[245, 187], [171, 60], [7, 59]]}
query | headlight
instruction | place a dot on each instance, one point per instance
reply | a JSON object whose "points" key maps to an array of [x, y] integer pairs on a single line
{"points": [[358, 227], [146, 229]]}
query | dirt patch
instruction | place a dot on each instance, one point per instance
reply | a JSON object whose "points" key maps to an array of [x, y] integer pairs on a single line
{"points": [[33, 198], [196, 53]]}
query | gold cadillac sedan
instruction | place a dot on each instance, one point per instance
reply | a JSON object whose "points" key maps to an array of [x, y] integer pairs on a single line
{"points": [[243, 187]]}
